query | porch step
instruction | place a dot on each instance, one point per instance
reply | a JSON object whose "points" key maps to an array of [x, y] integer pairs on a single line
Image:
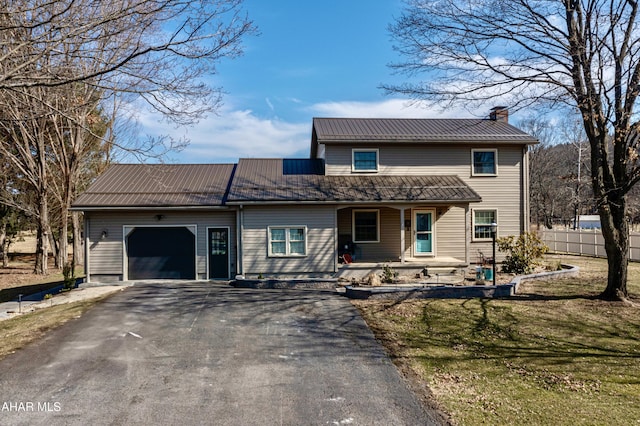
{"points": [[410, 269]]}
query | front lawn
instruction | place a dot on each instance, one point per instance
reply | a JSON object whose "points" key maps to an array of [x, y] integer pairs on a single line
{"points": [[553, 355]]}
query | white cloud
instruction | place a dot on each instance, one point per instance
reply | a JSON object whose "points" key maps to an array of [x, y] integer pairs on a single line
{"points": [[234, 134], [390, 108]]}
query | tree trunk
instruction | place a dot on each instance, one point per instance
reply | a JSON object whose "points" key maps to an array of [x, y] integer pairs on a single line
{"points": [[63, 250], [42, 252], [3, 245], [615, 230], [53, 247], [78, 242]]}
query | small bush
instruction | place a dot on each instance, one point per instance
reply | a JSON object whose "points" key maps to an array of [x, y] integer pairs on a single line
{"points": [[555, 266], [69, 276], [523, 253], [388, 274]]}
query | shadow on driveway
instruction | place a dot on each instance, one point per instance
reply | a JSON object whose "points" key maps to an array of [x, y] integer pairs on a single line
{"points": [[193, 352]]}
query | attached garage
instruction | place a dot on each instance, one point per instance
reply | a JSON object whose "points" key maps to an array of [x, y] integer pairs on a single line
{"points": [[159, 221], [161, 253]]}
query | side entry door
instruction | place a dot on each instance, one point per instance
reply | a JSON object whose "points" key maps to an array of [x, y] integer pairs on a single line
{"points": [[218, 253]]}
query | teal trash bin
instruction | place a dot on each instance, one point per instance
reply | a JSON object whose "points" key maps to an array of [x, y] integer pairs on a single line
{"points": [[488, 274]]}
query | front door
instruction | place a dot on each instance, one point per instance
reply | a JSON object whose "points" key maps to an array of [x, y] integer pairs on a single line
{"points": [[218, 253], [423, 233]]}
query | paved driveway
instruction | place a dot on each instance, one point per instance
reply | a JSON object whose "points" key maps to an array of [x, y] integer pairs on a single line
{"points": [[200, 353]]}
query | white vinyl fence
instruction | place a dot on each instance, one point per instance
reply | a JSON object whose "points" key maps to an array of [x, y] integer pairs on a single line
{"points": [[587, 242]]}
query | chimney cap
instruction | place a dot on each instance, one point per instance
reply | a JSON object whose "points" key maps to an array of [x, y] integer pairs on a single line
{"points": [[498, 108]]}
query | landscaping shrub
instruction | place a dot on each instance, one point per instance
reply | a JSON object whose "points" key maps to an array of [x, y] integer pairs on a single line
{"points": [[523, 252], [69, 276]]}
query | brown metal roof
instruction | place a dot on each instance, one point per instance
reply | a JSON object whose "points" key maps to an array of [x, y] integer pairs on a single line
{"points": [[157, 185], [264, 180], [396, 130]]}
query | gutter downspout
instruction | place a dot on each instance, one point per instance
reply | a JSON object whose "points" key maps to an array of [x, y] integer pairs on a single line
{"points": [[402, 236], [239, 238], [87, 229], [524, 170], [336, 262]]}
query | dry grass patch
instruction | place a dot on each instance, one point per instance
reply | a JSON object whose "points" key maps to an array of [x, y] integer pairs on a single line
{"points": [[553, 355], [21, 330]]}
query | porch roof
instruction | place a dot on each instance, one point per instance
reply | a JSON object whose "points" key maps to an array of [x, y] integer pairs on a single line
{"points": [[269, 180]]}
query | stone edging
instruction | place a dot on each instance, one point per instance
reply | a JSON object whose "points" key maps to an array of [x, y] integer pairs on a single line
{"points": [[455, 292], [285, 284]]}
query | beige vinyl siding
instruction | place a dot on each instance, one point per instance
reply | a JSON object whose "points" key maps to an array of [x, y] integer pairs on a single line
{"points": [[450, 232], [388, 248], [321, 241], [502, 192], [106, 256]]}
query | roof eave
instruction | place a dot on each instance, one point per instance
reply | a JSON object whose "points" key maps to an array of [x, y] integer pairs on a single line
{"points": [[311, 202], [148, 207], [382, 139]]}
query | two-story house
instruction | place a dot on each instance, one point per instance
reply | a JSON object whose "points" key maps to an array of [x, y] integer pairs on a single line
{"points": [[411, 192]]}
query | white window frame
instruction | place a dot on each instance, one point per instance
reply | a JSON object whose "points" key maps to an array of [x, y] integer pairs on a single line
{"points": [[353, 225], [287, 241], [353, 160], [473, 223], [495, 161]]}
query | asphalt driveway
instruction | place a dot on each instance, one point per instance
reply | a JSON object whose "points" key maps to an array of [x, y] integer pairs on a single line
{"points": [[200, 353]]}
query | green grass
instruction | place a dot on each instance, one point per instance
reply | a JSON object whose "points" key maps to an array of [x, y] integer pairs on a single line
{"points": [[554, 355]]}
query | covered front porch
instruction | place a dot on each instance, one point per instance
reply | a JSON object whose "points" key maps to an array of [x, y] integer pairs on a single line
{"points": [[411, 237]]}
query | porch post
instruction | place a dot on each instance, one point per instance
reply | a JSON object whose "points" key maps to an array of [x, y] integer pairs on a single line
{"points": [[402, 237]]}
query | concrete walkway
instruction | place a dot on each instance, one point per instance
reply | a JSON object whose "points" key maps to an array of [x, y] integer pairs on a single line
{"points": [[83, 292]]}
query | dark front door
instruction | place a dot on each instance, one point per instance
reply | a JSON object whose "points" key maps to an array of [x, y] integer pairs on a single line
{"points": [[161, 252], [218, 253]]}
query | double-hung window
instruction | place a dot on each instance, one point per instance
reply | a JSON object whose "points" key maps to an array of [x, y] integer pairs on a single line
{"points": [[364, 160], [482, 220], [366, 226], [484, 162], [287, 241]]}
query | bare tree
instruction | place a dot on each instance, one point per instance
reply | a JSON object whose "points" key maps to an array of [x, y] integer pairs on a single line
{"points": [[26, 136], [148, 45], [62, 61], [573, 133], [580, 53], [544, 191], [78, 151]]}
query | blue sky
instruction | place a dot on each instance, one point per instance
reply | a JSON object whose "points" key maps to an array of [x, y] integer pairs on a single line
{"points": [[311, 59]]}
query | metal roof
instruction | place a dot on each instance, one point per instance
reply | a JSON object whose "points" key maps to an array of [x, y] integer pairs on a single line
{"points": [[265, 180], [413, 130], [157, 185]]}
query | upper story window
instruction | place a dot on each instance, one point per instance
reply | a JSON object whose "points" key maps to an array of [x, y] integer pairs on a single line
{"points": [[485, 162], [364, 160]]}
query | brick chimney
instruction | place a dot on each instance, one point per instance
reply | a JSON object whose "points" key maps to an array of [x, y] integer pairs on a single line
{"points": [[499, 113]]}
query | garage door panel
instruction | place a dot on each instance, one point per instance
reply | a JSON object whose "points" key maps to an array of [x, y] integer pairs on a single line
{"points": [[161, 253]]}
